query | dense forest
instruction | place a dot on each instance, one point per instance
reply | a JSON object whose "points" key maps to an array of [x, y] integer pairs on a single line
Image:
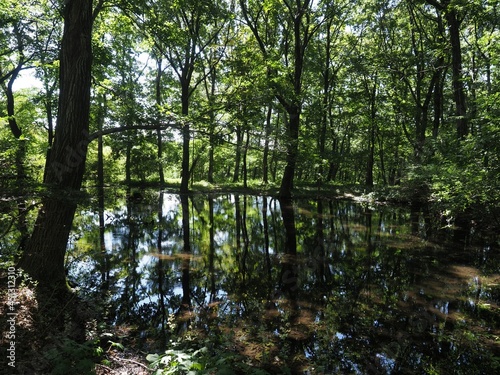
{"points": [[370, 92], [378, 93], [273, 93], [394, 99]]}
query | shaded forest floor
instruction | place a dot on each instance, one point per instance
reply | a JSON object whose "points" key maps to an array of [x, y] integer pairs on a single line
{"points": [[50, 338]]}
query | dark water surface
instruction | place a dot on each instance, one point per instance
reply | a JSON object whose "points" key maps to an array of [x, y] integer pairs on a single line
{"points": [[309, 286]]}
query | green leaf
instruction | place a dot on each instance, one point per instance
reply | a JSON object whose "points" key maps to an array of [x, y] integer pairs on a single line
{"points": [[196, 366], [117, 345], [152, 357]]}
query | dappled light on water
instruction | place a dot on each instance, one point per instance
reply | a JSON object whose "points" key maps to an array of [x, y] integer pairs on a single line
{"points": [[323, 286]]}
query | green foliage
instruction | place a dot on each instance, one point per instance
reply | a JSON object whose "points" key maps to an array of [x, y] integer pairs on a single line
{"points": [[375, 91], [7, 157], [235, 71], [200, 361], [177, 362], [466, 183], [71, 357]]}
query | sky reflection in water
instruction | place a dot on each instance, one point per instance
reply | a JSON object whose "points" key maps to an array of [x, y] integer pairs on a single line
{"points": [[325, 286]]}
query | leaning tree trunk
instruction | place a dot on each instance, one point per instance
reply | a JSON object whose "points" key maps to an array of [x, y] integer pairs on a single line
{"points": [[43, 258]]}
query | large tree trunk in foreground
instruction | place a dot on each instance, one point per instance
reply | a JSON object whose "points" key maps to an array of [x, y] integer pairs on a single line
{"points": [[43, 258]]}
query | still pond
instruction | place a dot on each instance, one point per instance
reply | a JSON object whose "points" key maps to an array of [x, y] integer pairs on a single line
{"points": [[310, 286]]}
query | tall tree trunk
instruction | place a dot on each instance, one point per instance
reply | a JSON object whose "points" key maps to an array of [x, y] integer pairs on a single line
{"points": [[48, 100], [211, 155], [16, 130], [160, 156], [371, 139], [286, 186], [245, 160], [14, 127], [265, 157], [459, 95], [237, 158], [458, 78], [274, 158], [43, 258], [100, 145], [158, 131], [438, 104], [371, 156], [9, 93], [438, 88], [325, 104], [128, 161], [381, 153], [185, 138], [210, 92], [294, 107]]}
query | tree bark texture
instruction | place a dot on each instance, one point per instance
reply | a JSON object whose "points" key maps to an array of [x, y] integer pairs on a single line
{"points": [[294, 107], [44, 255]]}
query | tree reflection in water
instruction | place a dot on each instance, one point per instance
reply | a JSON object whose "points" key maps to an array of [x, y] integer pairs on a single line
{"points": [[326, 286]]}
